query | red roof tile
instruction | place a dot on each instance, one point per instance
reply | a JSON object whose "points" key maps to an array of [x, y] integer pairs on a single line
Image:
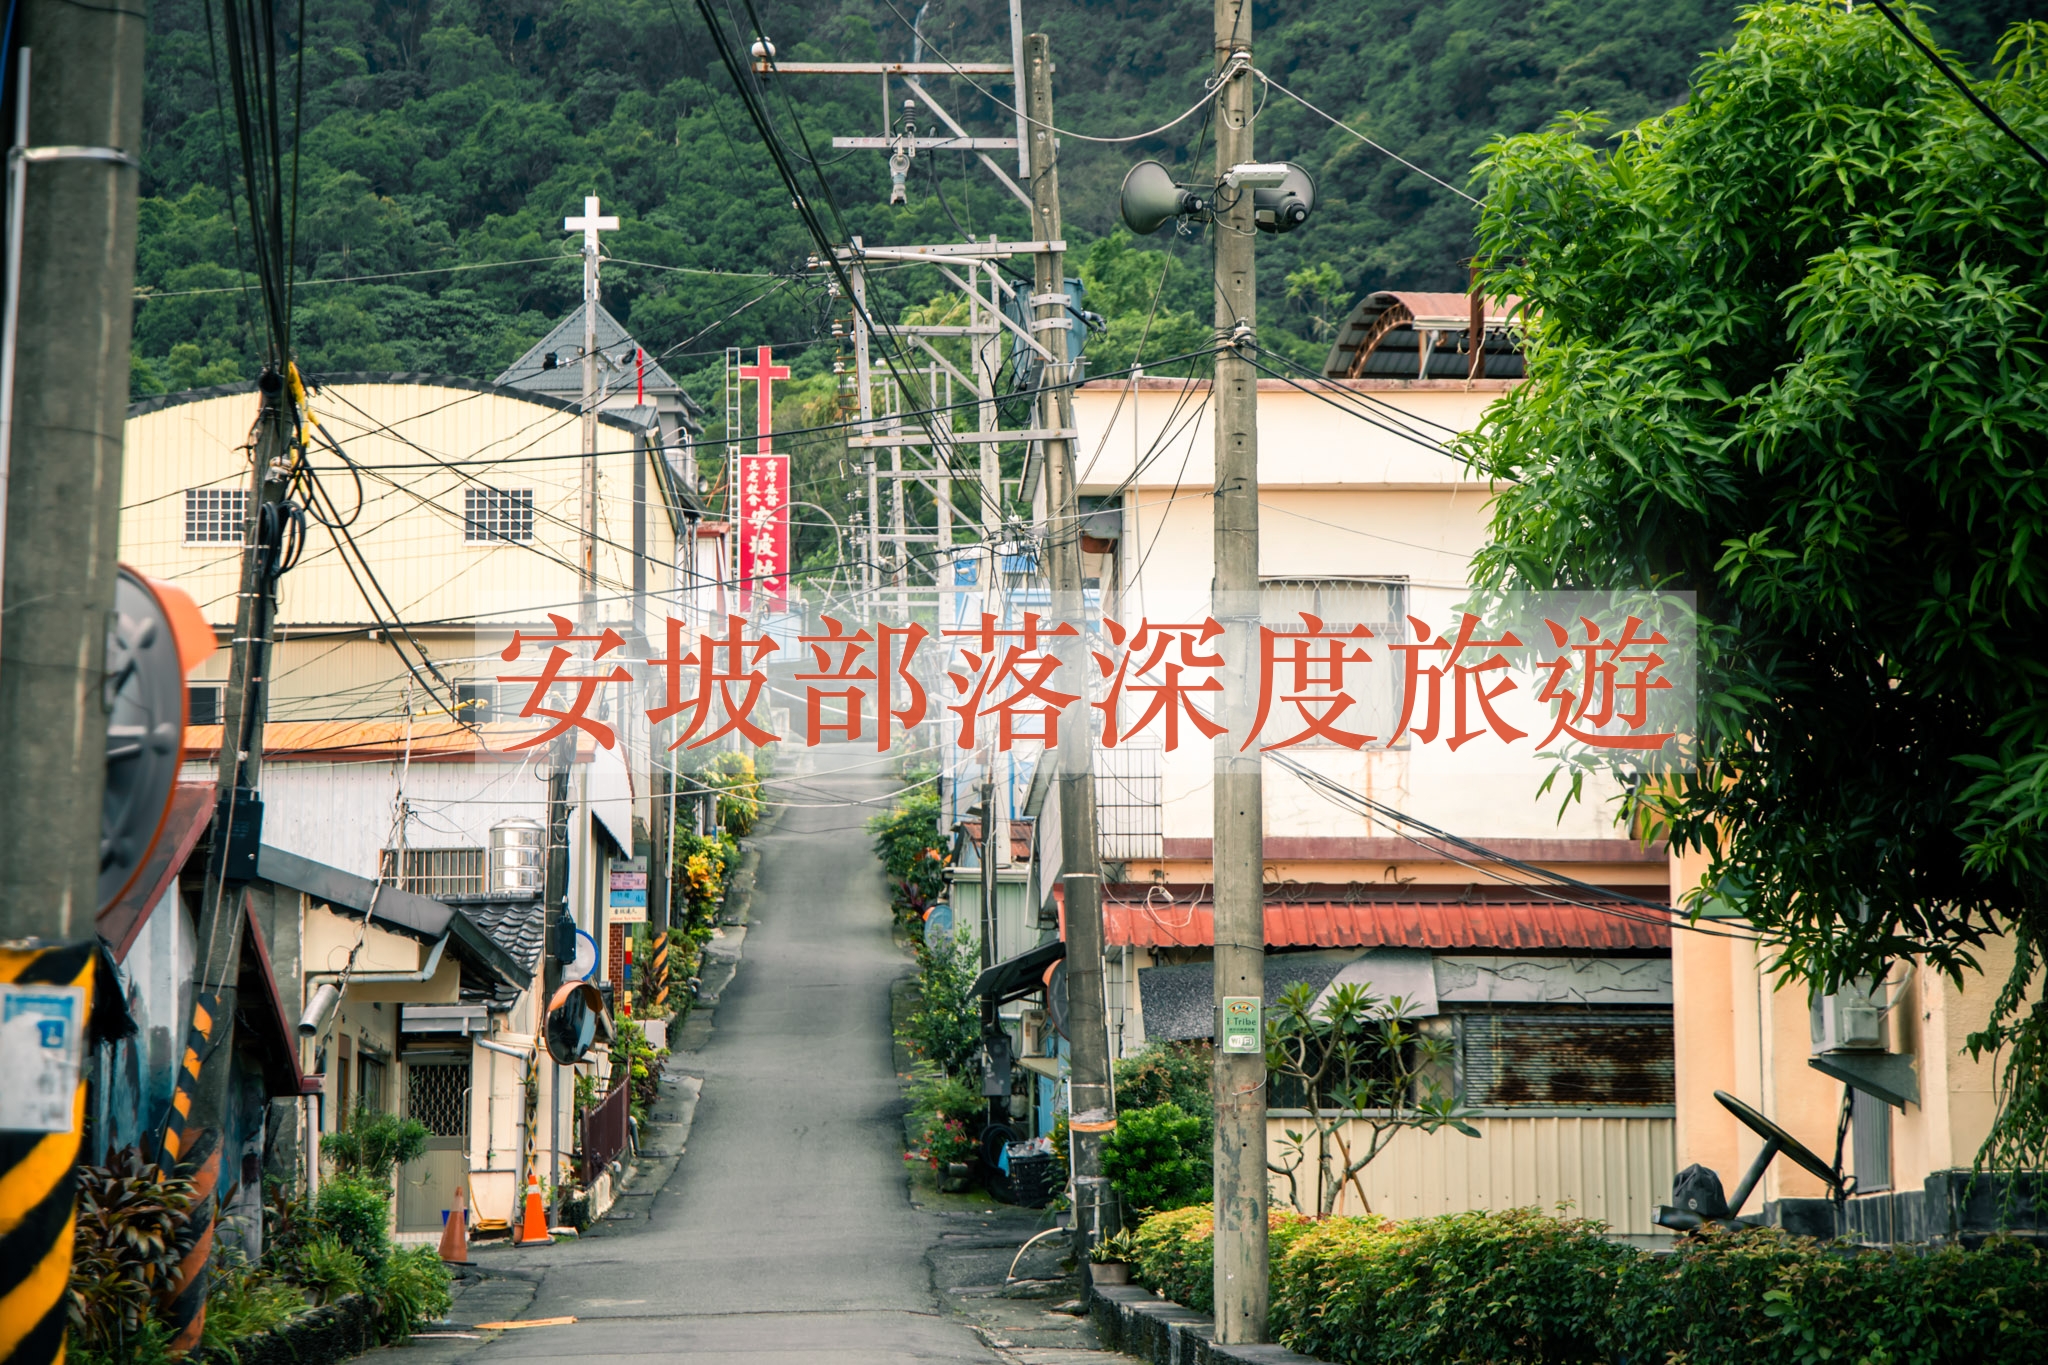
{"points": [[1518, 925]]}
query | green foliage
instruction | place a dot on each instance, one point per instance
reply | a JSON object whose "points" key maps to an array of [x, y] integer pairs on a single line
{"points": [[1117, 1247], [243, 1300], [329, 1270], [701, 863], [1177, 1253], [413, 1288], [1361, 1072], [1787, 350], [130, 1237], [1159, 1158], [913, 854], [1514, 1286], [731, 774], [632, 1051], [356, 1210], [945, 1028], [148, 1344], [373, 1144], [946, 1112], [1167, 1070]]}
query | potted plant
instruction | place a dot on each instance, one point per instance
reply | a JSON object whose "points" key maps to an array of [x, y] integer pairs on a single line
{"points": [[1110, 1260], [952, 1150]]}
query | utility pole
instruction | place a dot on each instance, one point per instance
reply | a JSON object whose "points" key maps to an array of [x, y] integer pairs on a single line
{"points": [[70, 269], [1093, 1105], [1237, 846]]}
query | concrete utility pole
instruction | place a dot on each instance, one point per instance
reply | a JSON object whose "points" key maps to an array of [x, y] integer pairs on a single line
{"points": [[70, 270], [1093, 1105], [72, 188], [1237, 848]]}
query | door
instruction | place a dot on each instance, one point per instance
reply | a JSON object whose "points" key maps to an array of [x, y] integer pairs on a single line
{"points": [[437, 1094]]}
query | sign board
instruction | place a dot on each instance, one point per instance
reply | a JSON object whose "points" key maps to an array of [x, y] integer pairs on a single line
{"points": [[628, 894], [1241, 1031], [42, 1038]]}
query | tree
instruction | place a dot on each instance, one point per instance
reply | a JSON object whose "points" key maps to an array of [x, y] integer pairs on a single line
{"points": [[1357, 1062], [1786, 350]]}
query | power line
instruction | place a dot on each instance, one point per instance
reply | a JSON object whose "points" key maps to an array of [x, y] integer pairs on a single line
{"points": [[1955, 79], [1383, 151]]}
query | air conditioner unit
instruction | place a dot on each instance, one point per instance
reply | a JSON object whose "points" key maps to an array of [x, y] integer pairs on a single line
{"points": [[1849, 1020]]}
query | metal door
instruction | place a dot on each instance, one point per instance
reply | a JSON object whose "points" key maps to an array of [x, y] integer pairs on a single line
{"points": [[437, 1094]]}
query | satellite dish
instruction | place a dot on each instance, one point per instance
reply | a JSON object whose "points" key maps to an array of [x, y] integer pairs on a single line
{"points": [[1056, 996], [145, 698], [1287, 205], [1150, 197]]}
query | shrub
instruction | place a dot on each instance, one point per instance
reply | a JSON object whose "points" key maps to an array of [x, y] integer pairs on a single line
{"points": [[1515, 1286], [946, 1114], [131, 1235], [374, 1144], [243, 1301], [913, 854], [1159, 1158], [356, 1211], [732, 775], [1176, 1071], [1763, 1295], [413, 1289], [945, 1028], [1177, 1256], [329, 1270]]}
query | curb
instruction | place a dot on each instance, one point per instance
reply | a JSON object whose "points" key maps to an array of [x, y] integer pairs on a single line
{"points": [[1139, 1323]]}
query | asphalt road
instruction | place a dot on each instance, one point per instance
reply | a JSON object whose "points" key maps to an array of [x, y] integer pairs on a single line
{"points": [[786, 1232]]}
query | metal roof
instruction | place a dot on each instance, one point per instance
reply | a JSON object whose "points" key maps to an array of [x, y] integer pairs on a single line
{"points": [[1517, 925], [1403, 334], [615, 367]]}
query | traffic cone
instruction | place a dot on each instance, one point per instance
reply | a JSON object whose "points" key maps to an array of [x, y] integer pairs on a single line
{"points": [[533, 1227], [455, 1232]]}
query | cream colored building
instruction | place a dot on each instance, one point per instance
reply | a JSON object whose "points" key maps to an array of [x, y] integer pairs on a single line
{"points": [[456, 511]]}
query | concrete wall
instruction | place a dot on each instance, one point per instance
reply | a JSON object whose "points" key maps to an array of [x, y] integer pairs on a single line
{"points": [[1612, 1166]]}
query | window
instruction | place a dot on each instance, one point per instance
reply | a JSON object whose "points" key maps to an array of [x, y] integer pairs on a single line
{"points": [[1378, 604], [437, 1094], [435, 871], [1567, 1058], [203, 705], [213, 516], [477, 701], [497, 514]]}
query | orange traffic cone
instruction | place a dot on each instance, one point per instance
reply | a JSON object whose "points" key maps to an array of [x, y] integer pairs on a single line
{"points": [[455, 1232], [533, 1226]]}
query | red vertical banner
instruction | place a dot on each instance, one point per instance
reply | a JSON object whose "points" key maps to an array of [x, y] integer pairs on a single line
{"points": [[764, 528], [763, 482]]}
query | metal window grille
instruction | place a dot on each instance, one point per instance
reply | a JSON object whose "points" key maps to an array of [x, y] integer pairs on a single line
{"points": [[1567, 1059], [1378, 604], [1127, 816], [497, 514], [437, 1094], [1870, 1131], [214, 516], [435, 871]]}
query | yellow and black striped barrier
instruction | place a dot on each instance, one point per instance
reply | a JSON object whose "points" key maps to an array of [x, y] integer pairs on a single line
{"points": [[194, 1148], [38, 1190], [660, 971]]}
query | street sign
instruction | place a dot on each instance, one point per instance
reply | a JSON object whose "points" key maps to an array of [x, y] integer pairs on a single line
{"points": [[1241, 1031], [42, 1041], [628, 895]]}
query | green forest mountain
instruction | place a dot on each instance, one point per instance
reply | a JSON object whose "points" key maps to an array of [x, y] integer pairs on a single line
{"points": [[443, 141]]}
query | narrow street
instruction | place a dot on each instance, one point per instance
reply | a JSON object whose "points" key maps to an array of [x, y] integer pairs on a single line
{"points": [[785, 1232]]}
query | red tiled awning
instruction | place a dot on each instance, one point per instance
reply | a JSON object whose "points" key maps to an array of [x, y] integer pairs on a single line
{"points": [[1444, 925]]}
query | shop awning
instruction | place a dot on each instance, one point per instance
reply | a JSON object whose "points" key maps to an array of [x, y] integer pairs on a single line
{"points": [[1506, 925], [1017, 977]]}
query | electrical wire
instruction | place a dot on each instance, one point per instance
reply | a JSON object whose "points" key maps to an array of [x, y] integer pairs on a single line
{"points": [[1956, 79], [1382, 150]]}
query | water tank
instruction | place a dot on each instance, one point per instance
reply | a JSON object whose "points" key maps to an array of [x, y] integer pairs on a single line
{"points": [[518, 856]]}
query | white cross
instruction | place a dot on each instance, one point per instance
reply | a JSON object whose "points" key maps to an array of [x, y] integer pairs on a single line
{"points": [[590, 224]]}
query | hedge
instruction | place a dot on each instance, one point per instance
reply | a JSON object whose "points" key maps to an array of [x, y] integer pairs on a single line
{"points": [[1522, 1288]]}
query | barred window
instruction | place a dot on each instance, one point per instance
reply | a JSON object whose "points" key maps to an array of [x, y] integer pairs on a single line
{"points": [[497, 514], [435, 871], [213, 516], [1379, 604]]}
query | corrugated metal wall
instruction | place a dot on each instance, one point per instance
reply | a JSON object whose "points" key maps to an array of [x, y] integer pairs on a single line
{"points": [[1613, 1168]]}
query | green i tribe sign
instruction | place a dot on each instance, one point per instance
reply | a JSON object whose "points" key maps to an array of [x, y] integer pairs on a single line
{"points": [[1241, 1032]]}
